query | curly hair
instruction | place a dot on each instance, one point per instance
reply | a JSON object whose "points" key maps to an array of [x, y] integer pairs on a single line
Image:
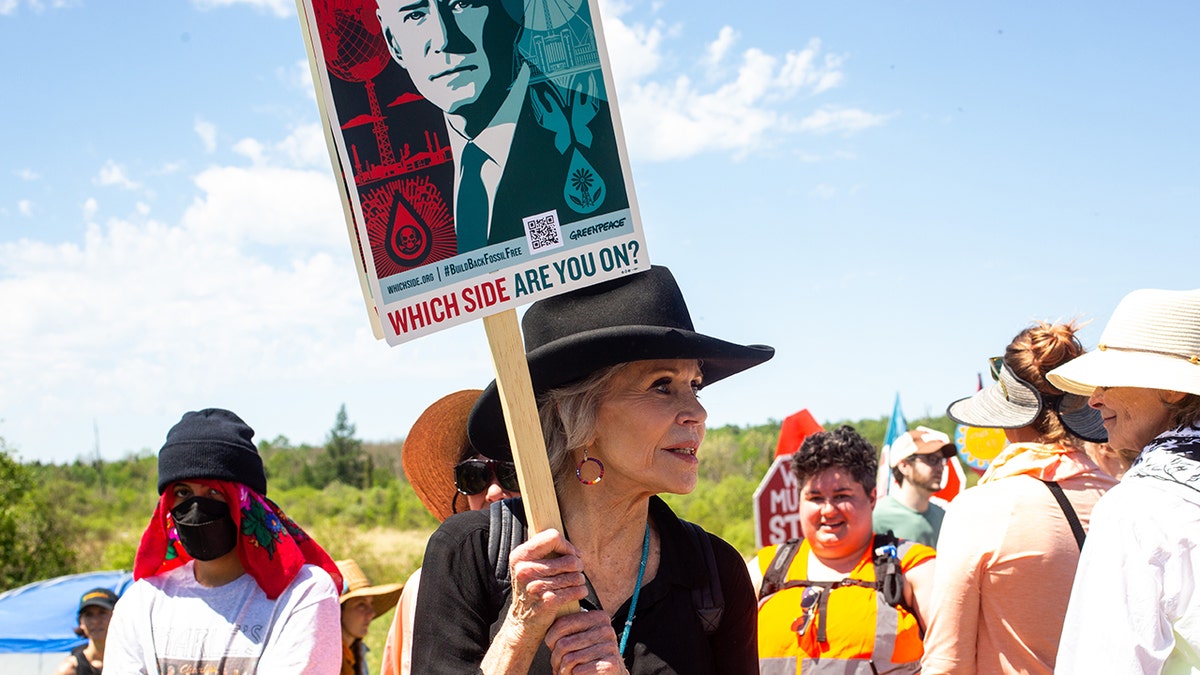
{"points": [[843, 447], [1036, 351]]}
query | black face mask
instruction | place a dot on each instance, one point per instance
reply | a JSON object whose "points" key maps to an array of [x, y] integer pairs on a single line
{"points": [[205, 527]]}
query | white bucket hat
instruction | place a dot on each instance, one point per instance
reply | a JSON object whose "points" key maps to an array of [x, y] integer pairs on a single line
{"points": [[1151, 341]]}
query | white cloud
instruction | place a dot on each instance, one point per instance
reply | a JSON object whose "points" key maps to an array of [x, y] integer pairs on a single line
{"points": [[633, 49], [207, 131], [837, 120], [824, 191], [27, 174], [280, 8], [305, 146], [299, 77], [114, 174], [182, 313], [736, 103], [717, 49], [25, 207], [267, 205], [9, 7], [140, 317], [250, 149]]}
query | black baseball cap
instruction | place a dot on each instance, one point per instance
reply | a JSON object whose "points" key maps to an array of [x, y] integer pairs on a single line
{"points": [[97, 597]]}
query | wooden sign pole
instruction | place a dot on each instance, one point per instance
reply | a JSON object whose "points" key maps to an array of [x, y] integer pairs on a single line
{"points": [[524, 428]]}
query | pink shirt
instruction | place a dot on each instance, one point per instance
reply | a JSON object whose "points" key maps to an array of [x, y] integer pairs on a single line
{"points": [[1006, 562]]}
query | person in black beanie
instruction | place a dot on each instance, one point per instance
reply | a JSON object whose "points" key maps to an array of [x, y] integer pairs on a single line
{"points": [[225, 582]]}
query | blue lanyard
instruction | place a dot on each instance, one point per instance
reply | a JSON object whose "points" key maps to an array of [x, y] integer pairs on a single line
{"points": [[637, 590]]}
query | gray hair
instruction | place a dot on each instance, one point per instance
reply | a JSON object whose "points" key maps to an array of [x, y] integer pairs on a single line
{"points": [[568, 415]]}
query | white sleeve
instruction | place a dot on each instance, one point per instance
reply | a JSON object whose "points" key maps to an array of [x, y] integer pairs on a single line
{"points": [[308, 639], [1115, 621], [123, 646]]}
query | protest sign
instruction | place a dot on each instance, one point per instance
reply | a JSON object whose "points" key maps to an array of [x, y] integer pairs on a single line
{"points": [[776, 515], [482, 166], [777, 505], [482, 155]]}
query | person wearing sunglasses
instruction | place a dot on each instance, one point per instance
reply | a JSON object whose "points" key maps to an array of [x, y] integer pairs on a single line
{"points": [[616, 370], [1135, 603], [918, 460], [1009, 546], [449, 477]]}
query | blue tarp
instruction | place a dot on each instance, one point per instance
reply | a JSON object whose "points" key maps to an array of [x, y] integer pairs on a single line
{"points": [[40, 617]]}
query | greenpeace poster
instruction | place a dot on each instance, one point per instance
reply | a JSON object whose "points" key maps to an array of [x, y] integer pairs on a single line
{"points": [[483, 155]]}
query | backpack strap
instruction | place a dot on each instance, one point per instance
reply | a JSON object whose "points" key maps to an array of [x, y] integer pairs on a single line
{"points": [[889, 576], [776, 575], [1068, 511], [505, 532], [708, 599]]}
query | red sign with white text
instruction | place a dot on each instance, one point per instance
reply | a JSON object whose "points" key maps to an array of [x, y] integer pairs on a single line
{"points": [[776, 505]]}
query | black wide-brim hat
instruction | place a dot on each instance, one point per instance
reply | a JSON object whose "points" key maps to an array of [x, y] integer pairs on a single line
{"points": [[634, 318]]}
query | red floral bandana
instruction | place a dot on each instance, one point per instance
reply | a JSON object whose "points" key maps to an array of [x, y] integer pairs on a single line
{"points": [[271, 546]]}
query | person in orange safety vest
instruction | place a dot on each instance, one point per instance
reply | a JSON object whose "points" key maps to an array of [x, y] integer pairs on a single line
{"points": [[842, 599]]}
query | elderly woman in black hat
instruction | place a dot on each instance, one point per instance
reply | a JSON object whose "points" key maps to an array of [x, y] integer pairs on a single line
{"points": [[1135, 603], [616, 369], [224, 580]]}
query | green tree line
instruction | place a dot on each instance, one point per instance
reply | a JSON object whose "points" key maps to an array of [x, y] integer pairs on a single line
{"points": [[87, 515]]}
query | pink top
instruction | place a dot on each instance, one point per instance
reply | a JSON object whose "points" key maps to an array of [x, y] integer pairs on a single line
{"points": [[1006, 562]]}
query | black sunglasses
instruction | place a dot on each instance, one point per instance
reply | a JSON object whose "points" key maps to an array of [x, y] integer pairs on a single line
{"points": [[934, 459], [472, 476]]}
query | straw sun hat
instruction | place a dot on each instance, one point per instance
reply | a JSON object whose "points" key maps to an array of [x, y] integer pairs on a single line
{"points": [[355, 584], [434, 445], [632, 318], [1152, 341]]}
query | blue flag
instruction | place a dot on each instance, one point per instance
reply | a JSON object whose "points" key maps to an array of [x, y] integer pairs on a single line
{"points": [[897, 425]]}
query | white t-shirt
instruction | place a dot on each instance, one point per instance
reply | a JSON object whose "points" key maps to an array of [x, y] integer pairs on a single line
{"points": [[170, 625]]}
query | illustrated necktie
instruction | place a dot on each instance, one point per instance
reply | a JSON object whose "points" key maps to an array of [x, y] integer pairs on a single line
{"points": [[471, 212]]}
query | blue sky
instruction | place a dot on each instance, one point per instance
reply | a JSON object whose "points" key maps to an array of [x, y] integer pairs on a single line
{"points": [[886, 192]]}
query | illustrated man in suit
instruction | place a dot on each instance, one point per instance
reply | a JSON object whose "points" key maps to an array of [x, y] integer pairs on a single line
{"points": [[522, 145]]}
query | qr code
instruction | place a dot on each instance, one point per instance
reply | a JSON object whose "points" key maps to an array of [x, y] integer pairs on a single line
{"points": [[543, 231]]}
